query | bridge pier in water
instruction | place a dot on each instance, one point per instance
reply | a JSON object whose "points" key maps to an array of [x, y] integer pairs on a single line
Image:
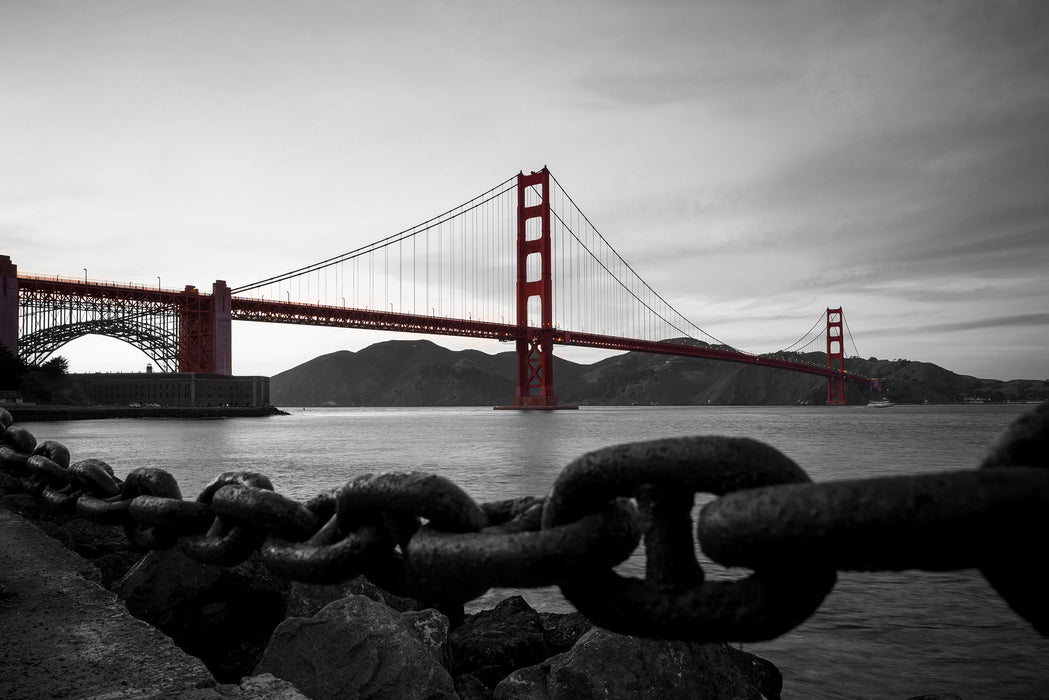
{"points": [[535, 347], [835, 358]]}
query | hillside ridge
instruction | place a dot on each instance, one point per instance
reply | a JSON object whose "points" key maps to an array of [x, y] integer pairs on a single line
{"points": [[422, 373]]}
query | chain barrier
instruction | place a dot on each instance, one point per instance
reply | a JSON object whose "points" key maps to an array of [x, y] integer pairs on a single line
{"points": [[420, 535]]}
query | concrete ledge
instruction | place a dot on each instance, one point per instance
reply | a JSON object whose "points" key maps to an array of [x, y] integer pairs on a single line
{"points": [[64, 636], [558, 407], [23, 413]]}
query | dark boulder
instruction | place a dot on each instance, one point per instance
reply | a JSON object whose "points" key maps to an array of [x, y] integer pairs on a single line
{"points": [[55, 530], [431, 628], [223, 616], [469, 688], [356, 648], [607, 665], [113, 566], [562, 630], [492, 643], [9, 484], [306, 599], [31, 508], [91, 540]]}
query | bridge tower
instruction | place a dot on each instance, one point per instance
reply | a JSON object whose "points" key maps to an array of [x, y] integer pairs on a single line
{"points": [[8, 305], [535, 355], [205, 336], [835, 358]]}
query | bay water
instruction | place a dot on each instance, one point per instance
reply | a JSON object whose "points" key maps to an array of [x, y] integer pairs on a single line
{"points": [[877, 635]]}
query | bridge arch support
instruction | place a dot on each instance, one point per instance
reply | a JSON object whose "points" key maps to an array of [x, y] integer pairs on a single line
{"points": [[181, 331], [157, 343]]}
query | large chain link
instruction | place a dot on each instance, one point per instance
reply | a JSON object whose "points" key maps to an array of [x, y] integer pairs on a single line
{"points": [[420, 535]]}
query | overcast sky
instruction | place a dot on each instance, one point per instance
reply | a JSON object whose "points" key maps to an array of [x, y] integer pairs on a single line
{"points": [[757, 162]]}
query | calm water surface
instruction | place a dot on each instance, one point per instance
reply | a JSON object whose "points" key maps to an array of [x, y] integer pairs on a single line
{"points": [[884, 635]]}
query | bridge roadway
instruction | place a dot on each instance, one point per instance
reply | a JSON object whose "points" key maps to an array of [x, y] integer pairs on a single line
{"points": [[291, 312], [274, 311]]}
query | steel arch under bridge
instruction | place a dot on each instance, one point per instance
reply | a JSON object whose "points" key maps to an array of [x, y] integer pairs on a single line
{"points": [[181, 331], [155, 334]]}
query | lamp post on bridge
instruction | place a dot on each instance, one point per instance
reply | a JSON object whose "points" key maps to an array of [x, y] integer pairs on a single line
{"points": [[85, 275]]}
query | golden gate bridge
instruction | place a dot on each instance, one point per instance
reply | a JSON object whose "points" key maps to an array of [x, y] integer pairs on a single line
{"points": [[518, 263]]}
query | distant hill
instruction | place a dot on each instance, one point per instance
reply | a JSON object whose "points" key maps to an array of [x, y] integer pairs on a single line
{"points": [[421, 373], [397, 373]]}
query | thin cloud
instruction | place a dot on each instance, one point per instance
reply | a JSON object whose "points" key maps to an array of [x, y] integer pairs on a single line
{"points": [[752, 160], [1038, 321]]}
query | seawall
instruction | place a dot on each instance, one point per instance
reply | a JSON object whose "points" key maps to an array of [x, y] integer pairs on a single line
{"points": [[37, 412], [64, 636]]}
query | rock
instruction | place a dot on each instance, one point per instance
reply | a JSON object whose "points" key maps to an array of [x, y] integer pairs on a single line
{"points": [[31, 508], [91, 540], [306, 599], [562, 630], [268, 687], [9, 484], [114, 566], [495, 642], [355, 647], [431, 628], [224, 616], [469, 688], [607, 665], [53, 529], [261, 687], [20, 439]]}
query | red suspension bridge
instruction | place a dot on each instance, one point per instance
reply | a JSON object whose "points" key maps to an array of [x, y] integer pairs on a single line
{"points": [[488, 268]]}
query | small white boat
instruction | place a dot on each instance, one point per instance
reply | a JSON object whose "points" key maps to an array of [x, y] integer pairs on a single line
{"points": [[880, 403]]}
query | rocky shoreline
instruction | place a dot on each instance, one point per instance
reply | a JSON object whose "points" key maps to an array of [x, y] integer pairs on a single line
{"points": [[245, 632], [251, 628], [245, 624], [23, 413]]}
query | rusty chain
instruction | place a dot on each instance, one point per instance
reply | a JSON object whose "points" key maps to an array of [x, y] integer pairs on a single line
{"points": [[420, 535]]}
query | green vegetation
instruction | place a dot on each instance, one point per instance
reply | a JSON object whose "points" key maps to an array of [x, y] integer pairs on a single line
{"points": [[36, 383]]}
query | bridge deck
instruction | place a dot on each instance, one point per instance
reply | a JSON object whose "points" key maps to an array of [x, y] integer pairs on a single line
{"points": [[293, 312], [275, 311]]}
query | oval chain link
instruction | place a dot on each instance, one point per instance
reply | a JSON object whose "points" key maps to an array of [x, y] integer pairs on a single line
{"points": [[674, 599]]}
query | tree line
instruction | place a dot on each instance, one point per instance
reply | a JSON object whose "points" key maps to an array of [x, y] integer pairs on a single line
{"points": [[34, 381]]}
